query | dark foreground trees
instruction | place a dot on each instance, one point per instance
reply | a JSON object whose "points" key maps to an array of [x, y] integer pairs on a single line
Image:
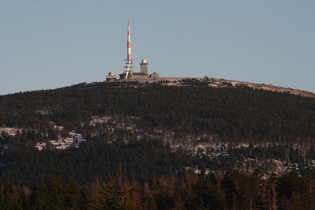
{"points": [[233, 190]]}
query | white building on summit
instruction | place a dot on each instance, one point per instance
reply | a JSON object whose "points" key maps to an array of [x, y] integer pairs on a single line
{"points": [[144, 66]]}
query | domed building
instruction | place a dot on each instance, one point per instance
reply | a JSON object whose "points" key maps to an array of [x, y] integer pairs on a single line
{"points": [[111, 76]]}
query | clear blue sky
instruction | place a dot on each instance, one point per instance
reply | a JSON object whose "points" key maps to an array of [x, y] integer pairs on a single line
{"points": [[47, 44]]}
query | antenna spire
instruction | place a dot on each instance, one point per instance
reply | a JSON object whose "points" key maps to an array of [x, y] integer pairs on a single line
{"points": [[129, 60]]}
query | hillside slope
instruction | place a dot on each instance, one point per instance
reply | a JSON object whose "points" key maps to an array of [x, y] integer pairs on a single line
{"points": [[155, 128], [233, 112]]}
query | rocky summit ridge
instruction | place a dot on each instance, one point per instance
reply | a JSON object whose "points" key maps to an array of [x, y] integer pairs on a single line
{"points": [[213, 82]]}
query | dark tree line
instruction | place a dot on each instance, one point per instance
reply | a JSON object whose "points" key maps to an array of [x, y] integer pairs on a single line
{"points": [[232, 190], [94, 159]]}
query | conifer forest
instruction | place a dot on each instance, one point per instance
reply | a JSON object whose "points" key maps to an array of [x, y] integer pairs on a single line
{"points": [[157, 145]]}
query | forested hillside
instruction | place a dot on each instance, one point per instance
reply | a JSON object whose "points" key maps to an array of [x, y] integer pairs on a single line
{"points": [[235, 113], [157, 131]]}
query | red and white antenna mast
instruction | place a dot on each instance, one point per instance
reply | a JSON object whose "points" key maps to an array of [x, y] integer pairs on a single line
{"points": [[129, 60]]}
